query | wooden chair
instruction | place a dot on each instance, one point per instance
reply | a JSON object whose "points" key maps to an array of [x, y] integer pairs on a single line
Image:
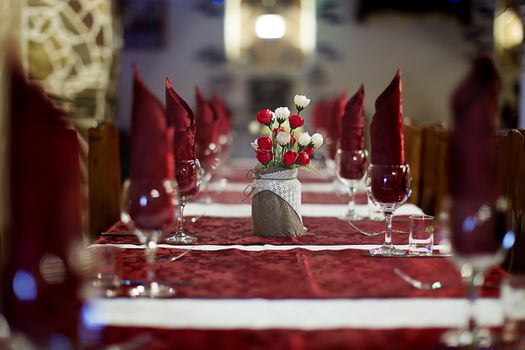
{"points": [[104, 178], [514, 169], [434, 161], [413, 148]]}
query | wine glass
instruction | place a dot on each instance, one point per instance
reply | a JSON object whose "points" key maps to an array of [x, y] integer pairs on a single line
{"points": [[351, 168], [479, 239], [388, 187], [147, 206], [188, 174]]}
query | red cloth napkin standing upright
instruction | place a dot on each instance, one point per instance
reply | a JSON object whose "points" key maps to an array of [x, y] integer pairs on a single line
{"points": [[336, 110], [181, 116], [224, 118], [206, 123], [352, 137], [386, 129], [152, 161], [40, 288], [472, 181], [151, 150]]}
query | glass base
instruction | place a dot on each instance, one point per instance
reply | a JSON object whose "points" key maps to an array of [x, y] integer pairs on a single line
{"points": [[350, 216], [177, 238], [387, 250], [156, 291], [461, 338]]}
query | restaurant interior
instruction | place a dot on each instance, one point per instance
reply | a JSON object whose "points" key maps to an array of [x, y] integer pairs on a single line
{"points": [[262, 174]]}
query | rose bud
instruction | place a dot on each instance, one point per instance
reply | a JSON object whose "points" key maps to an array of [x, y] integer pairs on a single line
{"points": [[265, 143], [305, 139], [289, 158], [309, 150], [293, 140], [283, 138], [281, 114], [304, 158], [317, 140], [265, 116], [264, 157], [301, 102], [295, 121]]}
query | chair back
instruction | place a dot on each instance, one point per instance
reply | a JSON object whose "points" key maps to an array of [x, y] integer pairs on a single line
{"points": [[104, 178], [413, 150]]}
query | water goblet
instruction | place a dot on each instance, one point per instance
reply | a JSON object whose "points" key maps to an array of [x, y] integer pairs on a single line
{"points": [[147, 206], [189, 177], [351, 168], [479, 239], [388, 187]]}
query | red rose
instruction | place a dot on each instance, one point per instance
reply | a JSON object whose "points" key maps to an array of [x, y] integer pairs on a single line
{"points": [[264, 157], [264, 144], [289, 158], [309, 150], [304, 158], [293, 139], [295, 121], [264, 116]]}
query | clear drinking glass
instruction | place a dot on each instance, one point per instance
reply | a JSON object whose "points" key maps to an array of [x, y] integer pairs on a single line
{"points": [[147, 206], [189, 177], [350, 169], [388, 186], [479, 240], [421, 234]]}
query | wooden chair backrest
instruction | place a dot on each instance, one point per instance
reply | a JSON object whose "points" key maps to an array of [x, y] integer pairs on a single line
{"points": [[104, 178], [413, 150]]}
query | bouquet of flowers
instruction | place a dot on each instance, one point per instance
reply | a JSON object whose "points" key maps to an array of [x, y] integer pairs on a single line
{"points": [[285, 147], [276, 191]]}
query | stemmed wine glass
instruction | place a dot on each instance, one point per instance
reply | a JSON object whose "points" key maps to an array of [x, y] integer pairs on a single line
{"points": [[479, 240], [388, 187], [189, 177], [351, 168], [147, 206]]}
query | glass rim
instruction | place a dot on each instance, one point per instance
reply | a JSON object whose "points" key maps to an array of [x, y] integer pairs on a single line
{"points": [[421, 217]]}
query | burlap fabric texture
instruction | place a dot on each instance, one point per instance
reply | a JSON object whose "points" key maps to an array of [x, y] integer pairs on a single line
{"points": [[276, 205]]}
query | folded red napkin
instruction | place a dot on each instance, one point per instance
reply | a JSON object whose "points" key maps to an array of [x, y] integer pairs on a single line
{"points": [[181, 116], [40, 288], [224, 118], [151, 149], [352, 137], [336, 110], [206, 122], [472, 158], [386, 129]]}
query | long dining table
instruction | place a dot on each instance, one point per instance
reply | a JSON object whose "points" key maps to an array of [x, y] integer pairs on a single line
{"points": [[322, 290]]}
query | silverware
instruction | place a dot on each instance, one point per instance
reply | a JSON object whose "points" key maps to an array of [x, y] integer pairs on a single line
{"points": [[121, 233], [128, 283], [417, 283], [175, 258]]}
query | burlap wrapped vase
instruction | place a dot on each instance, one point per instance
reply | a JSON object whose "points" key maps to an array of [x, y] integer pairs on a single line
{"points": [[276, 205]]}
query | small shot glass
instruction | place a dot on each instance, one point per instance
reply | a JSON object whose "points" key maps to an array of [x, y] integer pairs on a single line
{"points": [[512, 299], [105, 270], [421, 234]]}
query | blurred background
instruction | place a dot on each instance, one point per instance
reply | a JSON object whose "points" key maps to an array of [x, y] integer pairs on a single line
{"points": [[260, 53]]}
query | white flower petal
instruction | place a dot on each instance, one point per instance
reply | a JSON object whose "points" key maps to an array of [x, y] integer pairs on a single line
{"points": [[301, 101], [282, 114], [283, 138], [317, 140], [304, 139]]}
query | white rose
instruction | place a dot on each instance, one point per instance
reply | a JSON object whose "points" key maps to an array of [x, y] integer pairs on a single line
{"points": [[281, 114], [304, 139], [283, 138], [301, 101], [254, 146], [317, 140]]}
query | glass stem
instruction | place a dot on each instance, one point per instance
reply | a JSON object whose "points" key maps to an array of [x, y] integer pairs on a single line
{"points": [[180, 228], [151, 250], [388, 229], [351, 200]]}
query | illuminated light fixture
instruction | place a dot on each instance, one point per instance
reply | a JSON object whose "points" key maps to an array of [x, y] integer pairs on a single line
{"points": [[508, 29], [270, 26]]}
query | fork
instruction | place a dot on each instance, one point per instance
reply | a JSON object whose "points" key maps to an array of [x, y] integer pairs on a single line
{"points": [[417, 283], [175, 258]]}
